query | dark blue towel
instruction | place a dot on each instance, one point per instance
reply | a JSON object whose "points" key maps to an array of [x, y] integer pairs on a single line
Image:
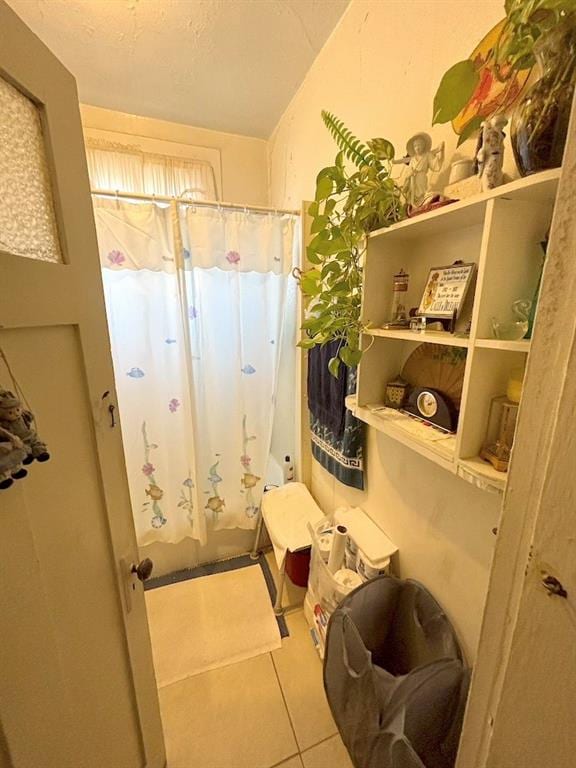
{"points": [[327, 394], [337, 436]]}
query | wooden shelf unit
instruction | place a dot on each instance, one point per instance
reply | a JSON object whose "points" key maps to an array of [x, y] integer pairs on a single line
{"points": [[500, 232]]}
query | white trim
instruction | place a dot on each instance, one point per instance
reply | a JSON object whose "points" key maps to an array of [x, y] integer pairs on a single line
{"points": [[538, 489]]}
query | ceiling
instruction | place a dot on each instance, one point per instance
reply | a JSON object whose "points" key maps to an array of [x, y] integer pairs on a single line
{"points": [[229, 65]]}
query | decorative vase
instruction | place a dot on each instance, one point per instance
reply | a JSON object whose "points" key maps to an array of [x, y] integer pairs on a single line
{"points": [[540, 120]]}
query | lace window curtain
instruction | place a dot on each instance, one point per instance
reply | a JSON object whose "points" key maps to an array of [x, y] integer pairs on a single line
{"points": [[126, 170]]}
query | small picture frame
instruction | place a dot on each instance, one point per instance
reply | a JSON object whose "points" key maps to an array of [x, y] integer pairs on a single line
{"points": [[446, 290]]}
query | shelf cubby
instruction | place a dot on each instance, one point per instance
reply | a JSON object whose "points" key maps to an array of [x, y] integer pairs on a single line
{"points": [[489, 372], [500, 231], [388, 254]]}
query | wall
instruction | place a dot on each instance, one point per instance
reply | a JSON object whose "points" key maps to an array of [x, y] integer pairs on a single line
{"points": [[378, 72], [243, 160]]}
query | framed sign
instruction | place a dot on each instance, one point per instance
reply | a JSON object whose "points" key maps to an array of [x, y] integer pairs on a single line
{"points": [[445, 290]]}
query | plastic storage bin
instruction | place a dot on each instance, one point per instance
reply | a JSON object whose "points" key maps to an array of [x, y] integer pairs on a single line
{"points": [[325, 593]]}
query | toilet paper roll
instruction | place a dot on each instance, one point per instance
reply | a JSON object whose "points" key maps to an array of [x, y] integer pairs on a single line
{"points": [[351, 546], [325, 545], [336, 558], [368, 571], [350, 559], [351, 553], [347, 580]]}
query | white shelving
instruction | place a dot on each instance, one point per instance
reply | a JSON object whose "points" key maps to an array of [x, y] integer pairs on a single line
{"points": [[481, 473], [422, 337], [425, 440], [501, 232], [507, 346]]}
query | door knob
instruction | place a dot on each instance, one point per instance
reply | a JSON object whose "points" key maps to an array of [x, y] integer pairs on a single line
{"points": [[143, 569], [553, 586]]}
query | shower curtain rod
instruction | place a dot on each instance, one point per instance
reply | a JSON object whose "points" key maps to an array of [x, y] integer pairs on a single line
{"points": [[187, 201]]}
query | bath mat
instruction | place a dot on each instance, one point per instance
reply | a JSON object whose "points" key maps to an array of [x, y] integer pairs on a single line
{"points": [[209, 622], [243, 561]]}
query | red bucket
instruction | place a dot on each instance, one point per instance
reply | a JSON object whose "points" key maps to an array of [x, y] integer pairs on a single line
{"points": [[298, 566]]}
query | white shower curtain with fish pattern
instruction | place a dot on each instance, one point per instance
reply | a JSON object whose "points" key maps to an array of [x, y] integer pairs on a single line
{"points": [[195, 298]]}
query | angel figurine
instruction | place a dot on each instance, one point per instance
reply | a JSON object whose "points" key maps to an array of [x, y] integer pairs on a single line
{"points": [[420, 159]]}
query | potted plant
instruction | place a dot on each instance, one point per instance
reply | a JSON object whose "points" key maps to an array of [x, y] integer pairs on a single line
{"points": [[545, 33], [348, 204], [539, 32]]}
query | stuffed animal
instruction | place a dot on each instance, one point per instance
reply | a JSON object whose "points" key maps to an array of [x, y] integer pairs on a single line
{"points": [[12, 454], [490, 155], [20, 423]]}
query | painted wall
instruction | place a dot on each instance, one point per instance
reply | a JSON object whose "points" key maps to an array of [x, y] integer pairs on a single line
{"points": [[378, 72], [243, 159]]}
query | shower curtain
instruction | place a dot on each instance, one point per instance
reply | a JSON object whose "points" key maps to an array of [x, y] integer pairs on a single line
{"points": [[196, 301]]}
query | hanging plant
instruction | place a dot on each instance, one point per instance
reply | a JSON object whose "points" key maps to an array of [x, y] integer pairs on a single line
{"points": [[347, 206]]}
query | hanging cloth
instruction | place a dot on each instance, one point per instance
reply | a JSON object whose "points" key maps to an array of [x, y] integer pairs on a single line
{"points": [[237, 275], [150, 174], [337, 436], [149, 352], [196, 300]]}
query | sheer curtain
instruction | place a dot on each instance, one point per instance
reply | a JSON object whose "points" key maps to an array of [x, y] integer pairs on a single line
{"points": [[123, 170], [237, 275], [147, 331], [196, 307]]}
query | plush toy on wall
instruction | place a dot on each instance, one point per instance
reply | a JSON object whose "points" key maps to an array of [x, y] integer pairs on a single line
{"points": [[20, 424], [12, 455]]}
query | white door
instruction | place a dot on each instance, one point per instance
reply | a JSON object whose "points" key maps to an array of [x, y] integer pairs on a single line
{"points": [[77, 686]]}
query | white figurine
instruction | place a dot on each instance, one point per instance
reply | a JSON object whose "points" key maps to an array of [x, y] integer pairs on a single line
{"points": [[420, 159], [490, 155]]}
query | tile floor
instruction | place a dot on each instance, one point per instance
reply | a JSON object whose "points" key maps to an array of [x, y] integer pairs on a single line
{"points": [[269, 711]]}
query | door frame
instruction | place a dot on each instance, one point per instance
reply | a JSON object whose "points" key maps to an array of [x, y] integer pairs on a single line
{"points": [[540, 480]]}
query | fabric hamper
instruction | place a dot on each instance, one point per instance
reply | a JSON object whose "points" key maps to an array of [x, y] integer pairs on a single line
{"points": [[394, 677]]}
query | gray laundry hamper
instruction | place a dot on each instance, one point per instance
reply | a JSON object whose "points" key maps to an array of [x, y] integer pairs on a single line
{"points": [[394, 677]]}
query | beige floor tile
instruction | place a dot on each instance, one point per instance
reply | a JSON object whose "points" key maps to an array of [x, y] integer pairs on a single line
{"points": [[293, 596], [300, 672], [329, 754], [294, 762], [234, 717]]}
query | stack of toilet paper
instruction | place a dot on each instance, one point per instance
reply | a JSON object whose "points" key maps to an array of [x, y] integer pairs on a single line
{"points": [[355, 548]]}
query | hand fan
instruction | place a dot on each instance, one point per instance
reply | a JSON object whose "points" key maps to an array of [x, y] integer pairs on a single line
{"points": [[439, 367]]}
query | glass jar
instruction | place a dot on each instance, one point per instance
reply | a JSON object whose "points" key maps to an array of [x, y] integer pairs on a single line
{"points": [[540, 120], [500, 433], [400, 287]]}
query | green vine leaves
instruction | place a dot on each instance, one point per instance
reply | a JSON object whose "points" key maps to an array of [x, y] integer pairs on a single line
{"points": [[347, 206], [513, 53]]}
